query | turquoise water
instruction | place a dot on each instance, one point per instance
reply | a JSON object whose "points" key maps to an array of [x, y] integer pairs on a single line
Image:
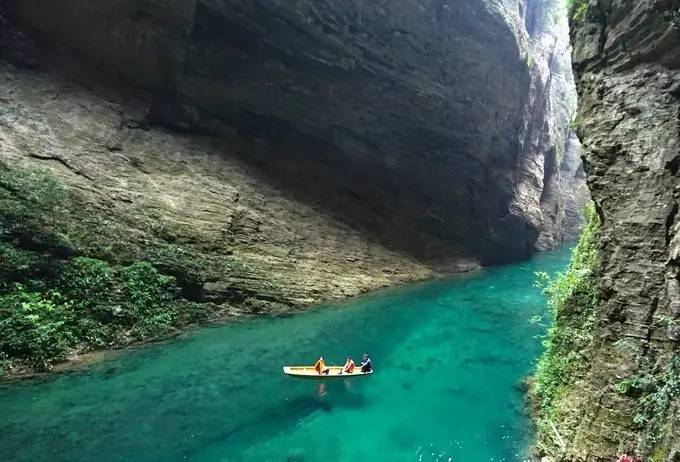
{"points": [[449, 359]]}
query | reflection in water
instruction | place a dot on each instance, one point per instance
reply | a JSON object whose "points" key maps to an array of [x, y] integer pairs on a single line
{"points": [[348, 384]]}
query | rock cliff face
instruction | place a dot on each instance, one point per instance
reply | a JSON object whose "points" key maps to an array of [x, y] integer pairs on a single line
{"points": [[627, 60], [323, 147], [554, 180]]}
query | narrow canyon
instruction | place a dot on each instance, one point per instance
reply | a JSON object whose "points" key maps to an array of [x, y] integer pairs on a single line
{"points": [[167, 163]]}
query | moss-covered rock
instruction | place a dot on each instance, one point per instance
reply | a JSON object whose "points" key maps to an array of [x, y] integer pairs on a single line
{"points": [[113, 267], [626, 56], [569, 342], [52, 299]]}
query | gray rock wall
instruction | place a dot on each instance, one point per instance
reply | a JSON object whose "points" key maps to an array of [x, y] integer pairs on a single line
{"points": [[554, 185], [186, 203], [437, 128], [627, 61]]}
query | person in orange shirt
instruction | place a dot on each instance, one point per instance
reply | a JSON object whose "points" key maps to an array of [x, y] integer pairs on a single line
{"points": [[320, 366], [349, 366]]}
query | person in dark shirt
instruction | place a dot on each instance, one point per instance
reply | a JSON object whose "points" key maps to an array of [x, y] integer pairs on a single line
{"points": [[366, 365]]}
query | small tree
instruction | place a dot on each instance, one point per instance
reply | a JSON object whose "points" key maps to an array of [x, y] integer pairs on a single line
{"points": [[33, 203]]}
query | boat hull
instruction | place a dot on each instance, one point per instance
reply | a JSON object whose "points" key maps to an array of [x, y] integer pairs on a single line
{"points": [[308, 372]]}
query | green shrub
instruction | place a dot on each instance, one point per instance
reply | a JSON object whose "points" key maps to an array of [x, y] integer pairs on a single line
{"points": [[90, 286], [5, 363], [53, 300], [136, 297], [91, 283], [94, 305], [658, 390], [530, 61], [147, 298], [18, 265], [33, 207], [85, 277], [33, 328], [631, 386]]}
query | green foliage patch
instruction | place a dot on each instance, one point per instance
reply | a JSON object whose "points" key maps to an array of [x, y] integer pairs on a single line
{"points": [[33, 206], [90, 305], [572, 299], [577, 9], [54, 299], [658, 389], [576, 123], [33, 327], [631, 386]]}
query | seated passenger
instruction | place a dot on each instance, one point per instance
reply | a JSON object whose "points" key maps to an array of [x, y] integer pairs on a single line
{"points": [[320, 366], [366, 365], [349, 366]]}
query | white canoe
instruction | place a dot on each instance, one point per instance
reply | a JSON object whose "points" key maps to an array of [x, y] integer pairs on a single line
{"points": [[310, 373]]}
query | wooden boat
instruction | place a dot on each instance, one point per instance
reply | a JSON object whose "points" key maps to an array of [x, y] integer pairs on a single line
{"points": [[310, 373]]}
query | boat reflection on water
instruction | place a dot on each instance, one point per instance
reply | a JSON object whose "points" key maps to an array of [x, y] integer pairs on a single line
{"points": [[322, 390]]}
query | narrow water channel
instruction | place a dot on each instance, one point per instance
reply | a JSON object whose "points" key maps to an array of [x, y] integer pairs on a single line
{"points": [[449, 358]]}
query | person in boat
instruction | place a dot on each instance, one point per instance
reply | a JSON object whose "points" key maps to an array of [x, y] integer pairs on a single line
{"points": [[349, 366], [366, 364], [320, 366]]}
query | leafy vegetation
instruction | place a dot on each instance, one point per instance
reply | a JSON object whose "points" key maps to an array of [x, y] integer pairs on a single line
{"points": [[577, 9], [33, 205], [576, 123], [54, 299], [33, 327], [631, 386], [656, 389], [572, 300], [555, 15], [530, 61]]}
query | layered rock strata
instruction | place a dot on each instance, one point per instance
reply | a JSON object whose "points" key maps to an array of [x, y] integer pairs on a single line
{"points": [[627, 61], [427, 118], [296, 151]]}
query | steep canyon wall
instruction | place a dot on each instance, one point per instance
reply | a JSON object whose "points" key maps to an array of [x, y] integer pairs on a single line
{"points": [[292, 152], [624, 397]]}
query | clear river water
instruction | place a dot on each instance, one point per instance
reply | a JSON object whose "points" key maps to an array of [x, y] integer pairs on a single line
{"points": [[449, 358]]}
